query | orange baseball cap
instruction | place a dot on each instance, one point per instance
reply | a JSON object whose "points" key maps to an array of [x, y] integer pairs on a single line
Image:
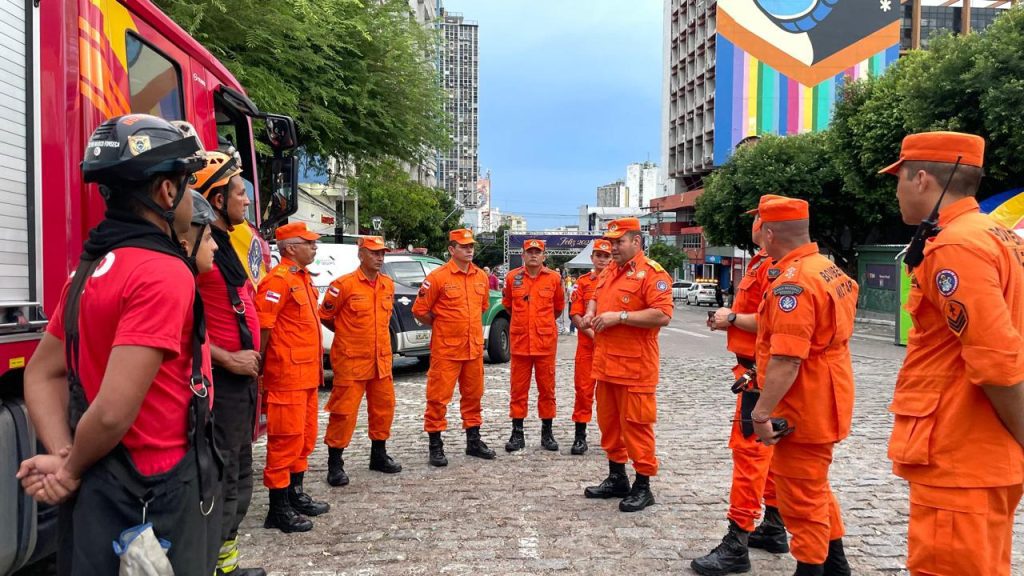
{"points": [[602, 245], [617, 228], [534, 243], [372, 243], [762, 201], [295, 230], [782, 209], [462, 236], [943, 147]]}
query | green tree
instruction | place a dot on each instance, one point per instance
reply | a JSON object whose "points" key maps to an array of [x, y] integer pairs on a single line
{"points": [[356, 76], [670, 257], [490, 251], [410, 212], [795, 166]]}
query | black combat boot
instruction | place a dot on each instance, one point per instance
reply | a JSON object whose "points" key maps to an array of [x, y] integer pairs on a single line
{"points": [[770, 535], [805, 569], [616, 485], [836, 564], [547, 437], [336, 475], [301, 501], [437, 457], [282, 516], [379, 459], [640, 495], [729, 557], [579, 445], [475, 446], [517, 441]]}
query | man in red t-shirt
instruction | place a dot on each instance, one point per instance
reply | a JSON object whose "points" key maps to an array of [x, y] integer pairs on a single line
{"points": [[234, 332], [135, 317]]}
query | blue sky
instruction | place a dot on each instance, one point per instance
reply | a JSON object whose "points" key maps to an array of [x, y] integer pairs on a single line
{"points": [[570, 93]]}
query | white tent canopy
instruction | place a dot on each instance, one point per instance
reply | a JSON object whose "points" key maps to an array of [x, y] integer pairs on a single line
{"points": [[582, 260]]}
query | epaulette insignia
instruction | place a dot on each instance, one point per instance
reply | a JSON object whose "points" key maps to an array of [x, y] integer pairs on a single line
{"points": [[657, 267]]}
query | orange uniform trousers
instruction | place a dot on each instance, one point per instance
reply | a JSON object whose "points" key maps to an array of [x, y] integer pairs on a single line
{"points": [[544, 369], [806, 502], [752, 479], [441, 379], [291, 434], [626, 416], [346, 396], [583, 409], [956, 531]]}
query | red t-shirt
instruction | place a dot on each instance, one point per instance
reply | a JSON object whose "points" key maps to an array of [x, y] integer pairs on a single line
{"points": [[221, 323], [139, 297]]}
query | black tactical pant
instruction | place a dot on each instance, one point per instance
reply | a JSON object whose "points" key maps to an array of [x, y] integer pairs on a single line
{"points": [[110, 500], [234, 410]]}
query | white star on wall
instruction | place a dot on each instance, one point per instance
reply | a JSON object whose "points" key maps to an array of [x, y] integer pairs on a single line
{"points": [[885, 5]]}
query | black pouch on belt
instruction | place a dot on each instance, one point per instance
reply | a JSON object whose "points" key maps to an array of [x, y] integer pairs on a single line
{"points": [[748, 400]]}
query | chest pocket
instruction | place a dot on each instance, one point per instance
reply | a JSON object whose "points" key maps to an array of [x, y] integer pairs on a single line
{"points": [[301, 298], [628, 296], [915, 298]]}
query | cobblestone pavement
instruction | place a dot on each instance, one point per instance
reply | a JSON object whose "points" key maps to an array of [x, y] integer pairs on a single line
{"points": [[525, 513]]}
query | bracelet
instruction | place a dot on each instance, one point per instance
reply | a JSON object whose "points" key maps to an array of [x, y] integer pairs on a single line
{"points": [[760, 421]]}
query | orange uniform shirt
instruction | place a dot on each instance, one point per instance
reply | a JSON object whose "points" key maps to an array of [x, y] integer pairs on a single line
{"points": [[286, 302], [586, 287], [967, 304], [458, 300], [623, 354], [749, 294], [360, 312], [534, 304], [808, 313]]}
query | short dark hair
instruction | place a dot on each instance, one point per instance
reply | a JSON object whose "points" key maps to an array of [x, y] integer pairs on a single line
{"points": [[965, 182]]}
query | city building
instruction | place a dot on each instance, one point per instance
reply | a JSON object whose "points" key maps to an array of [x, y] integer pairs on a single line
{"points": [[458, 167], [516, 224], [596, 218], [612, 195], [641, 185], [325, 202], [735, 69]]}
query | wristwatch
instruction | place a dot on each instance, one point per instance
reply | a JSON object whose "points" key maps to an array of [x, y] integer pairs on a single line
{"points": [[731, 318], [623, 316]]}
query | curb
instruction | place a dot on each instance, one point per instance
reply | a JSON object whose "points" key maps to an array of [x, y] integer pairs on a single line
{"points": [[890, 323]]}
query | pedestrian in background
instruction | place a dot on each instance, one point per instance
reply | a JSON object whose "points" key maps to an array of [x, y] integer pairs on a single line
{"points": [[492, 279], [534, 296], [357, 307], [292, 373], [806, 376], [632, 302], [452, 300], [959, 401]]}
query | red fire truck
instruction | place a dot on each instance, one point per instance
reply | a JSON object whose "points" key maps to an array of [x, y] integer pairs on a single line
{"points": [[65, 66]]}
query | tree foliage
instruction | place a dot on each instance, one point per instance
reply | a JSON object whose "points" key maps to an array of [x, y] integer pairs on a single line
{"points": [[670, 257], [356, 76], [410, 212]]}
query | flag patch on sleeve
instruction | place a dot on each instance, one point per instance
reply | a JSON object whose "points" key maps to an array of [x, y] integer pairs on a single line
{"points": [[272, 297]]}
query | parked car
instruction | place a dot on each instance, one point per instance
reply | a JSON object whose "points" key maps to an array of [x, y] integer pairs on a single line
{"points": [[679, 290], [408, 336], [701, 293]]}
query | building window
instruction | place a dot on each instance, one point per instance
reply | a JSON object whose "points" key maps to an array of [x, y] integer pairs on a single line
{"points": [[154, 80]]}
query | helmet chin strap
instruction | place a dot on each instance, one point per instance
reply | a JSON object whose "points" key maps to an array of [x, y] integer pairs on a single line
{"points": [[195, 246]]}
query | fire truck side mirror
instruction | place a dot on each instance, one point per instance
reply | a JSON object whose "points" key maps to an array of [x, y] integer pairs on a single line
{"points": [[280, 132], [283, 198]]}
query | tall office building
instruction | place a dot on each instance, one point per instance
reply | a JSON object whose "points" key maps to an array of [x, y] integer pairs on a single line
{"points": [[458, 168]]}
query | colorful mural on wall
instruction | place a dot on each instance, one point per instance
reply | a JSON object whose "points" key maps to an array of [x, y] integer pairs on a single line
{"points": [[781, 63]]}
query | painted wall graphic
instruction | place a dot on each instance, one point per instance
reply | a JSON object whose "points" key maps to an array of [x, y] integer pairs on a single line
{"points": [[781, 63]]}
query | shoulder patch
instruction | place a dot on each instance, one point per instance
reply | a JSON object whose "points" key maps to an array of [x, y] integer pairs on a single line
{"points": [[788, 290], [661, 285], [280, 271], [788, 303], [947, 282], [657, 267]]}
